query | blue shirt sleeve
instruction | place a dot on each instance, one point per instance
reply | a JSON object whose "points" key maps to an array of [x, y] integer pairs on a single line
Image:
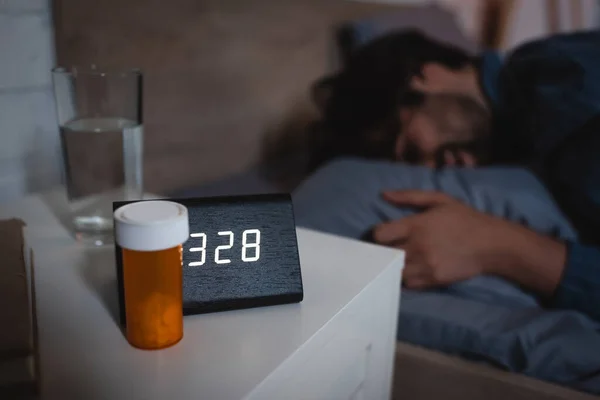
{"points": [[579, 288], [546, 106], [546, 90], [490, 67]]}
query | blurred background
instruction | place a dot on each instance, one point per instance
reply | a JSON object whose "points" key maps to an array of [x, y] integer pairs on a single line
{"points": [[224, 79]]}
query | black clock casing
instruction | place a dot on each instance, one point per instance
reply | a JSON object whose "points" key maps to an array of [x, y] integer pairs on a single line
{"points": [[231, 223]]}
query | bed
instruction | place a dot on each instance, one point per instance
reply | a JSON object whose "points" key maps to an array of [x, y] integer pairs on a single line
{"points": [[225, 82]]}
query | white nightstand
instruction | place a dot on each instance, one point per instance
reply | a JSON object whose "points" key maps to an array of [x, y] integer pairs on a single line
{"points": [[337, 344]]}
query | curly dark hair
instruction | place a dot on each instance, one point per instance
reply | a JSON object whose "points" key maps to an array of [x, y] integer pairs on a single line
{"points": [[359, 103]]}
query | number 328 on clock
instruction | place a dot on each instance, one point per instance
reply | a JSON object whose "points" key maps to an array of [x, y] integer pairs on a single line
{"points": [[250, 250]]}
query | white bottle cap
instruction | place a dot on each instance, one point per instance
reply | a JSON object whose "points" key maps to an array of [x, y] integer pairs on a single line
{"points": [[151, 225]]}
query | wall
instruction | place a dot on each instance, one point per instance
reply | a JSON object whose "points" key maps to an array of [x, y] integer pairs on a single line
{"points": [[529, 18], [29, 140], [220, 83]]}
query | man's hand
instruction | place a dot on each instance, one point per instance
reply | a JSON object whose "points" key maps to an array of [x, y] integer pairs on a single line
{"points": [[443, 244], [450, 242]]}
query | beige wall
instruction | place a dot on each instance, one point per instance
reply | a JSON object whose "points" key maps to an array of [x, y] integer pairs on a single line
{"points": [[219, 74], [529, 19]]}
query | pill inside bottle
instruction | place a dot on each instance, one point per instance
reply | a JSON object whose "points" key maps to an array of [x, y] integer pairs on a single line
{"points": [[151, 235]]}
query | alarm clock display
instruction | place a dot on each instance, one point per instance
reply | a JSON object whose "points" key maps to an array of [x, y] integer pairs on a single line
{"points": [[242, 252]]}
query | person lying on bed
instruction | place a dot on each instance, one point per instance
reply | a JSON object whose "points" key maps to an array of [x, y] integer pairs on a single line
{"points": [[545, 99], [546, 102]]}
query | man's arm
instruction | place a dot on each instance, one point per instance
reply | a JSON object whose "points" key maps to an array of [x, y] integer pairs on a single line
{"points": [[450, 242], [567, 274], [525, 257]]}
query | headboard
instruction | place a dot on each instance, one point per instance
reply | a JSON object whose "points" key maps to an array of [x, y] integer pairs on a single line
{"points": [[218, 73]]}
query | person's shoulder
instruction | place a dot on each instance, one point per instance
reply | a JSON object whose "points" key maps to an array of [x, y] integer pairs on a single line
{"points": [[565, 42]]}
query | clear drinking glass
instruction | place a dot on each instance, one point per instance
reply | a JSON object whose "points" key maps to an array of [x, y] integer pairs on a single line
{"points": [[101, 133]]}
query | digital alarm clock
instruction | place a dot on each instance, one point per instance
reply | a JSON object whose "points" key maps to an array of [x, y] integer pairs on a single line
{"points": [[242, 252]]}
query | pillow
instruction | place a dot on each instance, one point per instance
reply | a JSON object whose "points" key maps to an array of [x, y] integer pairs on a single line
{"points": [[344, 197], [484, 318]]}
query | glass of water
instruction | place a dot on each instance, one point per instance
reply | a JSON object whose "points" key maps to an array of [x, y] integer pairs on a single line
{"points": [[101, 134]]}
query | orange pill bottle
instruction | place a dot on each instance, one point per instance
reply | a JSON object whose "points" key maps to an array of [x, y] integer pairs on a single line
{"points": [[151, 234]]}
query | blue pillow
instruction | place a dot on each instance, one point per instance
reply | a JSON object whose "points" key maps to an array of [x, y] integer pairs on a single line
{"points": [[344, 197], [484, 318]]}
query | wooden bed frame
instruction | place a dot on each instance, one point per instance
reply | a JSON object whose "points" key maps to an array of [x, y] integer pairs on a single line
{"points": [[426, 374]]}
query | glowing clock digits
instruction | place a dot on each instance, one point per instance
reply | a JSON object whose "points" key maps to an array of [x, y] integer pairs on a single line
{"points": [[246, 245], [201, 249], [224, 247]]}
